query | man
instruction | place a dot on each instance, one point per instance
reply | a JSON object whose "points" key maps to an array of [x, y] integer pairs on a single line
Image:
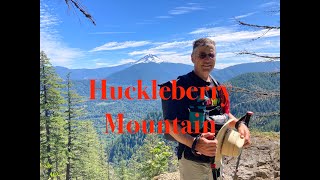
{"points": [[197, 150]]}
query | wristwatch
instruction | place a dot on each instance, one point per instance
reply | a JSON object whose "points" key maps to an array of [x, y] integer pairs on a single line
{"points": [[195, 141]]}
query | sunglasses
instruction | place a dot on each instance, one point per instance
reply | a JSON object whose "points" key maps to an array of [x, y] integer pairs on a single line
{"points": [[204, 55]]}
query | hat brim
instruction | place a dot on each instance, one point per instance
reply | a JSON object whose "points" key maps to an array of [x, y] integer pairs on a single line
{"points": [[220, 136]]}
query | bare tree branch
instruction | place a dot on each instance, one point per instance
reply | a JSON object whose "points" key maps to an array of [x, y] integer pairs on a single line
{"points": [[274, 11], [257, 55], [261, 35], [257, 26], [259, 94], [81, 8], [268, 114]]}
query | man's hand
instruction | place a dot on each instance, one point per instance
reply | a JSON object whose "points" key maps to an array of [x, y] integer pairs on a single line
{"points": [[244, 133], [242, 129], [207, 145]]}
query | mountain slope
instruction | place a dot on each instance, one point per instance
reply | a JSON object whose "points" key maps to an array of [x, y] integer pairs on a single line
{"points": [[79, 74], [241, 102], [150, 71], [225, 74]]}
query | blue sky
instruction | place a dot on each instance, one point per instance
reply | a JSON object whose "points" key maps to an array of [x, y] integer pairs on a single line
{"points": [[127, 30]]}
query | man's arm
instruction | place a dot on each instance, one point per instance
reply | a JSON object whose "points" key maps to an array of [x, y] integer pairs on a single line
{"points": [[203, 146]]}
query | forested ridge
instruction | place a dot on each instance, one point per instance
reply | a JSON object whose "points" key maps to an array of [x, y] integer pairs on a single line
{"points": [[74, 143], [265, 104]]}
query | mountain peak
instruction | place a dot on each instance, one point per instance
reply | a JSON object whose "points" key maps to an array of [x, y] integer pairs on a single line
{"points": [[149, 58]]}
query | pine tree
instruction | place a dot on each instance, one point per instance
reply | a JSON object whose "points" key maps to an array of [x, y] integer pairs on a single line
{"points": [[122, 171], [74, 111], [133, 166], [52, 124], [88, 163], [155, 156]]}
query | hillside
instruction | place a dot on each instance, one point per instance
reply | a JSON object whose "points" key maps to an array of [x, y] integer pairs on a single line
{"points": [[232, 71], [80, 74], [257, 84]]}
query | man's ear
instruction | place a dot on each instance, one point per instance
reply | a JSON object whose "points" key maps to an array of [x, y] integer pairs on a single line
{"points": [[192, 58]]}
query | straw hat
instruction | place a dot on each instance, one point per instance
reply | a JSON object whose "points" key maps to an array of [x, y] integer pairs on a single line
{"points": [[229, 143]]}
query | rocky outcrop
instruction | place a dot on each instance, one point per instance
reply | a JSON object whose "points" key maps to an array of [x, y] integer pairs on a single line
{"points": [[259, 161], [167, 176]]}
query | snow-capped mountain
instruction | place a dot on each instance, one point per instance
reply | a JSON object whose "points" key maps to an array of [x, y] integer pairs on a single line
{"points": [[149, 58], [151, 67]]}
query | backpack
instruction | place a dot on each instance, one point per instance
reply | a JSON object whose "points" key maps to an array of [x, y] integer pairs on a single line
{"points": [[169, 107]]}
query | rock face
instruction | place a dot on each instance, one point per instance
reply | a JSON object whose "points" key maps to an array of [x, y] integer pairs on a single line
{"points": [[168, 176], [259, 161]]}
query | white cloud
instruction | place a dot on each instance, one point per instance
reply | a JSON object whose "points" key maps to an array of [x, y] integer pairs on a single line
{"points": [[244, 15], [273, 44], [100, 62], [150, 51], [264, 54], [50, 41], [143, 52], [185, 9], [164, 48], [120, 45], [213, 31], [229, 42], [123, 61], [163, 17], [245, 35], [111, 64], [225, 55], [110, 32], [177, 58], [47, 20], [268, 4], [173, 45], [266, 44], [59, 54], [230, 58], [229, 34], [176, 11]]}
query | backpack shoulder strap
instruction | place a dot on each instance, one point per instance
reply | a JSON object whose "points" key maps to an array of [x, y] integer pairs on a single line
{"points": [[215, 82]]}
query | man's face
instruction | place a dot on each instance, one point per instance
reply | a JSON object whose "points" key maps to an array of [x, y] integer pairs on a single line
{"points": [[204, 58]]}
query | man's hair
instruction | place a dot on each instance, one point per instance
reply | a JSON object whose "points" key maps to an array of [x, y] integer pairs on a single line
{"points": [[203, 42]]}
